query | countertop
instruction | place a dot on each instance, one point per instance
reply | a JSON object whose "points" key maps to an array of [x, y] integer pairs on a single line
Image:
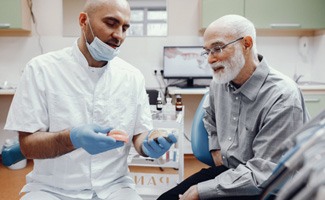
{"points": [[303, 86], [175, 90], [7, 91], [311, 86]]}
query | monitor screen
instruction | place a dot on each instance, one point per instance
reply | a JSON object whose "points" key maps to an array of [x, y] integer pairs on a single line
{"points": [[185, 62]]}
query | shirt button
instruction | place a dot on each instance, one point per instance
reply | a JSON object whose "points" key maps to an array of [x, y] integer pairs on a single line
{"points": [[235, 118], [229, 138], [223, 157], [236, 98]]}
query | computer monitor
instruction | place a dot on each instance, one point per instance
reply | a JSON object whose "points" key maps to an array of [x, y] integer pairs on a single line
{"points": [[185, 62]]}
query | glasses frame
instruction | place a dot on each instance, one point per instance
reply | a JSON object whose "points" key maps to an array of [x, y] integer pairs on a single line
{"points": [[218, 49]]}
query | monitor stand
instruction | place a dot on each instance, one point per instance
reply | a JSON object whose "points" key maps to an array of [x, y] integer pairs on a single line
{"points": [[190, 84]]}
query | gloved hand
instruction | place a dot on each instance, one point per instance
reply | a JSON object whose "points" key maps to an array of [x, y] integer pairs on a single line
{"points": [[89, 138], [155, 148]]}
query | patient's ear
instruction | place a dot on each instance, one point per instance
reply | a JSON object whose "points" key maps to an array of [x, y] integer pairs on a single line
{"points": [[248, 42]]}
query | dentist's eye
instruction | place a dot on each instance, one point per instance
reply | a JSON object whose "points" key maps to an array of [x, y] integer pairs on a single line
{"points": [[110, 23]]}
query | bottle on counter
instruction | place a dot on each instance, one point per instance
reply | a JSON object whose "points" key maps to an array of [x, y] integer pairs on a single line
{"points": [[178, 104], [169, 110], [159, 104]]}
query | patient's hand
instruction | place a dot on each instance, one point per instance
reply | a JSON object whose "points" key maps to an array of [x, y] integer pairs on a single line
{"points": [[191, 194], [217, 158]]}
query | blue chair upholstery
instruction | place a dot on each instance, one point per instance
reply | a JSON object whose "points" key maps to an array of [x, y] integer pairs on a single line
{"points": [[12, 155], [199, 136]]}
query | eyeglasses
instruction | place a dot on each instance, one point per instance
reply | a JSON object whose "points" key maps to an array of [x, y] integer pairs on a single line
{"points": [[218, 49]]}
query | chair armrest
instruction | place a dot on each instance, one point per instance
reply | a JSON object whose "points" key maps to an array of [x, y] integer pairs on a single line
{"points": [[12, 155]]}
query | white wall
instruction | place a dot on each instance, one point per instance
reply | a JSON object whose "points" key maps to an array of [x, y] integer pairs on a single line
{"points": [[146, 53], [318, 62]]}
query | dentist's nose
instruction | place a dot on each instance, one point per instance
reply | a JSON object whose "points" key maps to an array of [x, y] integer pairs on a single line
{"points": [[118, 34]]}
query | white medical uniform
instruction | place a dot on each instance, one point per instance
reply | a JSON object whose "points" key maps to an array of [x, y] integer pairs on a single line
{"points": [[58, 91]]}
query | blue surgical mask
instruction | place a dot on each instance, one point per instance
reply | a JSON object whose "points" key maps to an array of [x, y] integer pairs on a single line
{"points": [[99, 50]]}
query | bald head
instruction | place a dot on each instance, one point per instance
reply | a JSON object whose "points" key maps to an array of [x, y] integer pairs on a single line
{"points": [[106, 21], [234, 25], [93, 6], [231, 27]]}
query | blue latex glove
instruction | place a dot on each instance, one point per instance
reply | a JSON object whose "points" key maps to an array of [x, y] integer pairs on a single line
{"points": [[89, 138], [156, 148]]}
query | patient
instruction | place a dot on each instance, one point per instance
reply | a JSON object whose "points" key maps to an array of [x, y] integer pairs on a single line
{"points": [[252, 109]]}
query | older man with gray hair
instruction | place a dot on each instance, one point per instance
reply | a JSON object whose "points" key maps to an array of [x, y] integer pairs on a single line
{"points": [[252, 108]]}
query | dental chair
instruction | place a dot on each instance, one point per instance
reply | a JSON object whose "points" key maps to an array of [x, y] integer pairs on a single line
{"points": [[199, 135], [286, 167], [200, 142]]}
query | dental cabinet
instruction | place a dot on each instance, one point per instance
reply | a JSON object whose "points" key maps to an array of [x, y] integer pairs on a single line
{"points": [[314, 98], [261, 13], [191, 98], [15, 16], [155, 176], [315, 103]]}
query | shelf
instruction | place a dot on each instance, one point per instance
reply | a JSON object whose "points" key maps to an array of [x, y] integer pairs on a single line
{"points": [[7, 91], [171, 163], [140, 161]]}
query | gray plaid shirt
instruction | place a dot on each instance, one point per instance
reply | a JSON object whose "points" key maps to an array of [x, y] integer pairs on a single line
{"points": [[248, 124]]}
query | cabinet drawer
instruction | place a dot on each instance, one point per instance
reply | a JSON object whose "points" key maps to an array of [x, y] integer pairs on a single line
{"points": [[288, 14], [213, 9], [315, 103], [269, 14]]}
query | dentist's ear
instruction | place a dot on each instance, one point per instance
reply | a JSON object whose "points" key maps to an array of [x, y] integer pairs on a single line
{"points": [[83, 20]]}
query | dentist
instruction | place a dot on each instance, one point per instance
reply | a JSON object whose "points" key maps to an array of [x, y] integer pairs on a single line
{"points": [[68, 100]]}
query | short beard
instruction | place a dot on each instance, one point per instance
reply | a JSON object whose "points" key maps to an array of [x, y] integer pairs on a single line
{"points": [[231, 68]]}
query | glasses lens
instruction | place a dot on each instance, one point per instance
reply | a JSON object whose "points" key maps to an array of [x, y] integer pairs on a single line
{"points": [[204, 54], [217, 49]]}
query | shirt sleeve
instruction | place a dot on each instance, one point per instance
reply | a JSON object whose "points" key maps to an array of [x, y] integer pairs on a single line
{"points": [[281, 121], [144, 119], [28, 110]]}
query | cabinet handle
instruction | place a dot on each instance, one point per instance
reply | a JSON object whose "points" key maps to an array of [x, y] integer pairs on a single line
{"points": [[312, 100], [285, 25], [4, 25]]}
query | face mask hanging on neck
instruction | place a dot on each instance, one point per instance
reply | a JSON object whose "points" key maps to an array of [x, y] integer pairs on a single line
{"points": [[99, 50]]}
